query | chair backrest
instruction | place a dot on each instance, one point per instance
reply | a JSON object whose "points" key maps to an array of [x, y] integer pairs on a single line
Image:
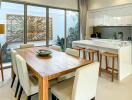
{"points": [[4, 47], [72, 52], [13, 60], [85, 82], [26, 45], [1, 59], [55, 47], [23, 74]]}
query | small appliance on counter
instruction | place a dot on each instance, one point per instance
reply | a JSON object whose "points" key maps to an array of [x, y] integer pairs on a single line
{"points": [[96, 35], [129, 38], [120, 35]]}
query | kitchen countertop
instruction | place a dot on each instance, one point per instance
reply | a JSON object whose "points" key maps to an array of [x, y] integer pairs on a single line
{"points": [[106, 43]]}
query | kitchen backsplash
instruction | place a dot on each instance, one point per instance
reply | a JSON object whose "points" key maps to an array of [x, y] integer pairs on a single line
{"points": [[113, 32]]}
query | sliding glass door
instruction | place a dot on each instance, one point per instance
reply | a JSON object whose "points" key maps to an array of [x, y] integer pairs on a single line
{"points": [[72, 27], [36, 25], [11, 28], [12, 18], [42, 24], [63, 27], [56, 27]]}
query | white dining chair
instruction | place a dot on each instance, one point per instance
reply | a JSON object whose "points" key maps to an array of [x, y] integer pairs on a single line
{"points": [[13, 53], [82, 87], [28, 84], [14, 69], [26, 46], [72, 52], [55, 47]]}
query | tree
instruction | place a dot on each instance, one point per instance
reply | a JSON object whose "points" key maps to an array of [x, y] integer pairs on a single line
{"points": [[73, 34]]}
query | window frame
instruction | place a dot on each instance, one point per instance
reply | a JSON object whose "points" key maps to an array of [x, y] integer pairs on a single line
{"points": [[47, 17]]}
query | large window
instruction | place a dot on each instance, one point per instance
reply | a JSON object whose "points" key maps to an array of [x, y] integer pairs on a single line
{"points": [[58, 24], [36, 25], [62, 19], [42, 24], [12, 17], [72, 27], [39, 25], [12, 22]]}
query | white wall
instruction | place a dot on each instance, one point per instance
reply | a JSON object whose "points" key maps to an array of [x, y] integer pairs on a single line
{"points": [[108, 13], [71, 4], [97, 4]]}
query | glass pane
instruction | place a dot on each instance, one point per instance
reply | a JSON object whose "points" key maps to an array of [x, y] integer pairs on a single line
{"points": [[36, 25], [56, 27], [72, 27], [11, 16], [11, 28]]}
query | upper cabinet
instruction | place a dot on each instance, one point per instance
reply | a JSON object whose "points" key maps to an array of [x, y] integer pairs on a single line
{"points": [[113, 16]]}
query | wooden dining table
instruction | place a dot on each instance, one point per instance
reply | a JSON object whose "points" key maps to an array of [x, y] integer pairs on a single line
{"points": [[50, 67]]}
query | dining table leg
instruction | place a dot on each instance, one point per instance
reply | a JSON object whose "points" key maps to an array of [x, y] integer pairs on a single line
{"points": [[43, 88]]}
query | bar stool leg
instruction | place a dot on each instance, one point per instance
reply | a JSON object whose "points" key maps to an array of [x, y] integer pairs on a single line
{"points": [[100, 69], [92, 56], [89, 56], [113, 64], [84, 54], [98, 55], [106, 61], [79, 53]]}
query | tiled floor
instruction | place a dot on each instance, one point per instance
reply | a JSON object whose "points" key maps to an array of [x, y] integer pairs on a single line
{"points": [[106, 89]]}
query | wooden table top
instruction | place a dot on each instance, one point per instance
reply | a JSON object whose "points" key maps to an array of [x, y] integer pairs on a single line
{"points": [[59, 63]]}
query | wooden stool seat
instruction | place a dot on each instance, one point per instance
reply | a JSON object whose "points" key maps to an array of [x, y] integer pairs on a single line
{"points": [[81, 49], [91, 54], [92, 50], [110, 55]]}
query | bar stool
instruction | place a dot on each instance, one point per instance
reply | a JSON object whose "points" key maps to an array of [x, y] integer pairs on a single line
{"points": [[81, 49], [91, 53], [113, 56]]}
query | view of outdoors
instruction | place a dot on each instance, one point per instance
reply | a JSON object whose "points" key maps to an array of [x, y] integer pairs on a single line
{"points": [[72, 27], [12, 18], [36, 25], [58, 25], [59, 19]]}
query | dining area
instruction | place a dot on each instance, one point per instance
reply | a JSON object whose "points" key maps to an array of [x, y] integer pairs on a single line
{"points": [[65, 50], [56, 75], [46, 70]]}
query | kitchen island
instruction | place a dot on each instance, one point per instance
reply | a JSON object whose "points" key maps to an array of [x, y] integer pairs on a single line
{"points": [[122, 48]]}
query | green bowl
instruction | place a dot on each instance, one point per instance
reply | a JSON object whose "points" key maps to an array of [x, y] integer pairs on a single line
{"points": [[43, 52]]}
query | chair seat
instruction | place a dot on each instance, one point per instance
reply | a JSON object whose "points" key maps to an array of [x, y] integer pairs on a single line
{"points": [[34, 84], [108, 54], [80, 48], [67, 76], [63, 90], [92, 50], [53, 82]]}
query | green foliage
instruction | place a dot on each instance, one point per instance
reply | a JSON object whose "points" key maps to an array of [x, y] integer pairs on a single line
{"points": [[61, 42], [73, 34]]}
